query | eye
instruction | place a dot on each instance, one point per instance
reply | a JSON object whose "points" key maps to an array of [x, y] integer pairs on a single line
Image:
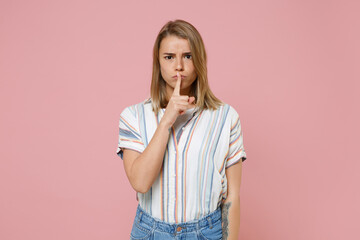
{"points": [[189, 56], [166, 57]]}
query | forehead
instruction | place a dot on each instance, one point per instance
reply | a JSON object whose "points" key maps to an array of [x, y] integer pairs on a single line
{"points": [[174, 44]]}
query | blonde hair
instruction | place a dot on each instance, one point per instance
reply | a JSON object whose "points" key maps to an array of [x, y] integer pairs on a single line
{"points": [[200, 89]]}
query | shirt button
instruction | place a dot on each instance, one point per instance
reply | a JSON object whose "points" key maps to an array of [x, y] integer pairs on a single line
{"points": [[183, 128]]}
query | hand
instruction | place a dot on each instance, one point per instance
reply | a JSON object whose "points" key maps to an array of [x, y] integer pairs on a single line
{"points": [[177, 104]]}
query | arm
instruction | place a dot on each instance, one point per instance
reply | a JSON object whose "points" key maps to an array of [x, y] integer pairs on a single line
{"points": [[143, 168], [230, 209]]}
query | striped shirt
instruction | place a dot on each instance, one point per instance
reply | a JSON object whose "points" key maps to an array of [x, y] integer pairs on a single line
{"points": [[202, 144]]}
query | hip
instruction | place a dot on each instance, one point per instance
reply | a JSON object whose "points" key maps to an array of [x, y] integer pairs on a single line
{"points": [[145, 226]]}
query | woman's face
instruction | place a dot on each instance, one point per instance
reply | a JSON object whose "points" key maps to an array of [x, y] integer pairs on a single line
{"points": [[175, 56]]}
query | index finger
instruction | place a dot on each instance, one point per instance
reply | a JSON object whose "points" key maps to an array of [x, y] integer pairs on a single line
{"points": [[177, 85]]}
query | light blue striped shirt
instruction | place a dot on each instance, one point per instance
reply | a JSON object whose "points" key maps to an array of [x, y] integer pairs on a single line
{"points": [[192, 181]]}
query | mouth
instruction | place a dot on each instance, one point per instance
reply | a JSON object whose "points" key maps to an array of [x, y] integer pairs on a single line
{"points": [[182, 77]]}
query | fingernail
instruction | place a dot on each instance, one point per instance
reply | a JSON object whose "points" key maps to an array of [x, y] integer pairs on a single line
{"points": [[177, 74]]}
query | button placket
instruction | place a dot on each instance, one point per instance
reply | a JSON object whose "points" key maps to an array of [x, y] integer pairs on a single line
{"points": [[172, 181], [177, 148]]}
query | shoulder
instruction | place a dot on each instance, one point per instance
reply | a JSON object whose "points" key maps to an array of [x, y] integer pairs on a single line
{"points": [[224, 109], [230, 111], [135, 108], [233, 114]]}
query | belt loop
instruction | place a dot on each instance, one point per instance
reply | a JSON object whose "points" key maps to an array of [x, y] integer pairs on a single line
{"points": [[210, 222], [140, 215]]}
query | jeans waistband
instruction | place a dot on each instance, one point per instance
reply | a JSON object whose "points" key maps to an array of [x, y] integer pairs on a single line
{"points": [[206, 221]]}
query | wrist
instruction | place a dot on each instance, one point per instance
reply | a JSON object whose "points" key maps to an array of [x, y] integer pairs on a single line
{"points": [[164, 125]]}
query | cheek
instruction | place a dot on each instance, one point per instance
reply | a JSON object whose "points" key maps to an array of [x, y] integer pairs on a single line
{"points": [[164, 74], [163, 68], [191, 67]]}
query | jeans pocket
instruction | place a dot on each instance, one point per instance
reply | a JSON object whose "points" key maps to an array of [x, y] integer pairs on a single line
{"points": [[213, 233], [140, 230]]}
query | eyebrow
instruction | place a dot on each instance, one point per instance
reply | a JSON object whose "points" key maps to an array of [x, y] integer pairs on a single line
{"points": [[187, 53]]}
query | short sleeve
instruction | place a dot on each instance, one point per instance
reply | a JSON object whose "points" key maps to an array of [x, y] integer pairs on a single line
{"points": [[236, 146], [129, 133]]}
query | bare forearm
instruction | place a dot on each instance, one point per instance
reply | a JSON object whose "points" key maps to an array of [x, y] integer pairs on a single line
{"points": [[147, 166], [231, 218]]}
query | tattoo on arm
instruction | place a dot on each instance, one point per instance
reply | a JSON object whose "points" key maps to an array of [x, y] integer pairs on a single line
{"points": [[225, 220]]}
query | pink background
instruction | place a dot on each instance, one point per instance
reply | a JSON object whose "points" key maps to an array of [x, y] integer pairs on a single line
{"points": [[68, 69]]}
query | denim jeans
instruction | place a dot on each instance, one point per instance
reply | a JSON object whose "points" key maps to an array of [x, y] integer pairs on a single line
{"points": [[147, 227]]}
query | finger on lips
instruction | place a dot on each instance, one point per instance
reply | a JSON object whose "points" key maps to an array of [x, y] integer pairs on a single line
{"points": [[177, 85], [182, 100]]}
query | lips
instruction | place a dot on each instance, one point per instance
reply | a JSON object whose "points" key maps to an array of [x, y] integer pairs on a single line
{"points": [[182, 76]]}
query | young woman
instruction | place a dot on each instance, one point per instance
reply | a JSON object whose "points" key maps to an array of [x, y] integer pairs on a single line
{"points": [[182, 148]]}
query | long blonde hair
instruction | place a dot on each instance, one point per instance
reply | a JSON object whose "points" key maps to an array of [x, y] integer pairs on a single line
{"points": [[200, 89]]}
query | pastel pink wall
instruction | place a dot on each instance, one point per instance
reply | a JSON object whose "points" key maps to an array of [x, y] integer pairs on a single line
{"points": [[68, 68]]}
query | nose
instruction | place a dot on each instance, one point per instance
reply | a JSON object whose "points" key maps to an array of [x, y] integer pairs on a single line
{"points": [[179, 64]]}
